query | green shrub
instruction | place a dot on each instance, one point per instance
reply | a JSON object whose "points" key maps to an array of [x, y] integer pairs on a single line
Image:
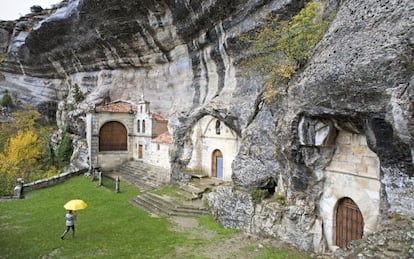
{"points": [[6, 100], [258, 195], [299, 36], [65, 150], [280, 198], [77, 94], [281, 48], [2, 58]]}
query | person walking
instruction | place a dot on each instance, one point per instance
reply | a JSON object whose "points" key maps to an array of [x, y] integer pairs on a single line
{"points": [[70, 223]]}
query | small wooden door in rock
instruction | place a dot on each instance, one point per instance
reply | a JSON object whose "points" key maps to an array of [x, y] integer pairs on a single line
{"points": [[349, 222], [217, 164]]}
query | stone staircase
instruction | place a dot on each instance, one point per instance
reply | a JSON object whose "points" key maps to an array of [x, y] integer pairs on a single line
{"points": [[167, 207], [197, 187], [144, 176], [187, 201]]}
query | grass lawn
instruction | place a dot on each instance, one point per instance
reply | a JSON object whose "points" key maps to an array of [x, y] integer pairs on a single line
{"points": [[109, 228]]}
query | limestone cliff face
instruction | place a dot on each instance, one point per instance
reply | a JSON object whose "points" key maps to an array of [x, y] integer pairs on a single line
{"points": [[184, 56]]}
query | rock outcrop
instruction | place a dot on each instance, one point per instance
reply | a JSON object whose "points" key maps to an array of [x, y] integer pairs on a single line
{"points": [[186, 56]]}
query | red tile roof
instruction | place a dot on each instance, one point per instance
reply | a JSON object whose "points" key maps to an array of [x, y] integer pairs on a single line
{"points": [[121, 107], [158, 117], [164, 138]]}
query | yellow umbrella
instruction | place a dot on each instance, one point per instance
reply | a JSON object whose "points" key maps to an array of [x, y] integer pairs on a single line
{"points": [[75, 205]]}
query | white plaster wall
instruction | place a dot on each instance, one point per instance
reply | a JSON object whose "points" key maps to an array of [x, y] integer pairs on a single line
{"points": [[89, 137], [205, 141], [146, 143], [354, 173], [159, 157], [148, 122]]}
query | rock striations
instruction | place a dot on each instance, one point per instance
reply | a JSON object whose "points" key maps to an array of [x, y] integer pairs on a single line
{"points": [[186, 58]]}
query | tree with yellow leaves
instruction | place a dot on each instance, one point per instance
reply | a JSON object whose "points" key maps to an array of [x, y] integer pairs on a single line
{"points": [[23, 120], [24, 151], [21, 157]]}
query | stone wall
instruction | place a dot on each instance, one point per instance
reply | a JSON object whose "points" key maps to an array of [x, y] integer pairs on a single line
{"points": [[109, 160], [353, 173], [51, 181], [353, 156]]}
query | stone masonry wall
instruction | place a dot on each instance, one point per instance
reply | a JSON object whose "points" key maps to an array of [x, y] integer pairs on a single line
{"points": [[354, 173], [353, 156]]}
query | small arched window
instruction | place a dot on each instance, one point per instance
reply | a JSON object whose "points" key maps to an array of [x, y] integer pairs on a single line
{"points": [[138, 126], [218, 124], [143, 126]]}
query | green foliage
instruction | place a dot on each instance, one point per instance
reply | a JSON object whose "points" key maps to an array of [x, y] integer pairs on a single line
{"points": [[23, 120], [283, 47], [209, 223], [65, 150], [77, 94], [24, 151], [299, 36], [283, 253], [258, 195], [280, 198], [6, 100], [20, 158], [2, 58]]}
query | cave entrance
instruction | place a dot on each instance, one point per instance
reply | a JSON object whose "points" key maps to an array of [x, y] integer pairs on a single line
{"points": [[349, 222], [217, 164]]}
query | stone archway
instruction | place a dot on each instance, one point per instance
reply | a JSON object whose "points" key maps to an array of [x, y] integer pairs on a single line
{"points": [[349, 222], [113, 137], [217, 164]]}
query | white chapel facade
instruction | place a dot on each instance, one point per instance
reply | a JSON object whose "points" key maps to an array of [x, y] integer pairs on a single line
{"points": [[122, 130], [215, 145]]}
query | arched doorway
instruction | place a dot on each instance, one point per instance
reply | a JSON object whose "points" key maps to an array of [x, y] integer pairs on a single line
{"points": [[113, 137], [349, 222], [217, 164]]}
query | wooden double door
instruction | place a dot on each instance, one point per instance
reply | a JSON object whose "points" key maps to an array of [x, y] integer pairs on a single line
{"points": [[349, 222]]}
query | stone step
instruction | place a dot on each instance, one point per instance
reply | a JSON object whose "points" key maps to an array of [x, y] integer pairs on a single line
{"points": [[176, 207], [189, 196], [197, 187], [164, 206], [141, 184], [145, 177], [147, 205], [191, 192]]}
